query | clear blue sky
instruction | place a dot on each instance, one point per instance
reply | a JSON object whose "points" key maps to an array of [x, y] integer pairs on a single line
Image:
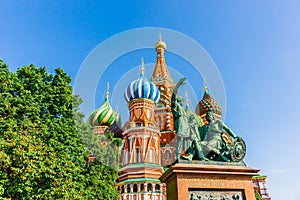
{"points": [[256, 46]]}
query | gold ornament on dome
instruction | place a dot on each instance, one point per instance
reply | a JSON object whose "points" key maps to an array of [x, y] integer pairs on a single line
{"points": [[160, 43]]}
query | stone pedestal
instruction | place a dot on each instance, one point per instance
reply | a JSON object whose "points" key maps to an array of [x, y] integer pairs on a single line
{"points": [[209, 182]]}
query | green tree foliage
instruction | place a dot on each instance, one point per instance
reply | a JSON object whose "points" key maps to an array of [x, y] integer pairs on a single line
{"points": [[102, 173], [42, 152], [257, 195]]}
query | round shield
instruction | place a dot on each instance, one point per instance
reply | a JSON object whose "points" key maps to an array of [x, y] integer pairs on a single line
{"points": [[238, 150]]}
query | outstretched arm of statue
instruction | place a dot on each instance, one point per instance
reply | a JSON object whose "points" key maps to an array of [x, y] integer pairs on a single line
{"points": [[229, 131], [178, 84]]}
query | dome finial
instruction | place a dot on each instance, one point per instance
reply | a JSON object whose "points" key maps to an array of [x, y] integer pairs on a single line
{"points": [[160, 43], [160, 38], [205, 85], [142, 67], [107, 93]]}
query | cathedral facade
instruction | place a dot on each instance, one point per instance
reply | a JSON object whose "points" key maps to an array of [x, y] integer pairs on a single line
{"points": [[149, 138], [149, 134]]}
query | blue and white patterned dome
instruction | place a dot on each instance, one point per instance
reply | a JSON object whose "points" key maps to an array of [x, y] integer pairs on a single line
{"points": [[142, 88]]}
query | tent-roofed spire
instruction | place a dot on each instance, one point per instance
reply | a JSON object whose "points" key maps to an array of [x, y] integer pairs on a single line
{"points": [[161, 71]]}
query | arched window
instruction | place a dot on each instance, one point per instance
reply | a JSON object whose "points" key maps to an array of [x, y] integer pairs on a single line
{"points": [[135, 188], [138, 124], [149, 188], [157, 188], [142, 187], [137, 155], [128, 188]]}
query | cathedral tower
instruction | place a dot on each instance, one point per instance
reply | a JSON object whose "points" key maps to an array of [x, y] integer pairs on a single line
{"points": [[163, 80], [163, 114], [141, 157]]}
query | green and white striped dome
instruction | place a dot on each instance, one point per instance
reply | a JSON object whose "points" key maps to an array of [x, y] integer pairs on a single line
{"points": [[103, 116]]}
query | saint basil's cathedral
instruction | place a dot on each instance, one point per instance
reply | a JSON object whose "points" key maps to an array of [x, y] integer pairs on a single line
{"points": [[149, 142]]}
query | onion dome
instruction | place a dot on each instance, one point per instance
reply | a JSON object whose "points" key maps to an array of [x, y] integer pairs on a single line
{"points": [[103, 116], [142, 88], [161, 44], [208, 104]]}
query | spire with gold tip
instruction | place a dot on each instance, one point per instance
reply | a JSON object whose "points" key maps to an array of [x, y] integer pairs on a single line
{"points": [[104, 115]]}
